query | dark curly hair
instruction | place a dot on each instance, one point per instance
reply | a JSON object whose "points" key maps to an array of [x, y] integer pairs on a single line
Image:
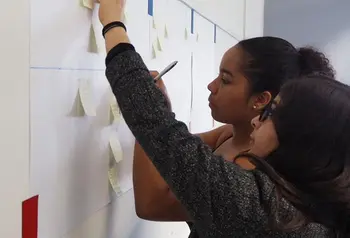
{"points": [[270, 61]]}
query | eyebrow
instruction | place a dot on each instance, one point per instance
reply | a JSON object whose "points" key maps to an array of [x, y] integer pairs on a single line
{"points": [[225, 71]]}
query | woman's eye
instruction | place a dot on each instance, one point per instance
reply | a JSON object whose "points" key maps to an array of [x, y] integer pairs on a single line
{"points": [[224, 81]]}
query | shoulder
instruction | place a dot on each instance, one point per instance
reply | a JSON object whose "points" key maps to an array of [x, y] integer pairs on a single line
{"points": [[226, 133], [267, 191]]}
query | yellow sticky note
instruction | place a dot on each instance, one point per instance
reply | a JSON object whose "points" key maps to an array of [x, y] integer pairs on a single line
{"points": [[159, 45], [86, 97], [113, 178], [115, 114], [88, 3], [93, 48], [116, 148], [166, 34], [154, 53]]}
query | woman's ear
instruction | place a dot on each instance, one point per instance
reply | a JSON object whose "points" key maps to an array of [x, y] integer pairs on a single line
{"points": [[262, 100]]}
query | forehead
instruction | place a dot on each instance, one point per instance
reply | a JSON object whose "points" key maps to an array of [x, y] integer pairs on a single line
{"points": [[232, 59]]}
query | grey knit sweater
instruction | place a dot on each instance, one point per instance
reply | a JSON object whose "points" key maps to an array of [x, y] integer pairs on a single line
{"points": [[222, 199]]}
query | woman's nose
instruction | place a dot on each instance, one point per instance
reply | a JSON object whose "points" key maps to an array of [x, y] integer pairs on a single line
{"points": [[255, 122], [212, 87]]}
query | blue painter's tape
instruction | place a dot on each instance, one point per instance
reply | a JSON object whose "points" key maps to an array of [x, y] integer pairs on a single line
{"points": [[150, 7], [192, 21], [214, 33]]}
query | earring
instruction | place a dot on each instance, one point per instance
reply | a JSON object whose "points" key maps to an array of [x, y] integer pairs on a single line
{"points": [[254, 106]]}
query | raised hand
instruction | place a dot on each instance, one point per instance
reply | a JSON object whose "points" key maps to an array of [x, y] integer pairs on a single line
{"points": [[160, 84], [111, 10]]}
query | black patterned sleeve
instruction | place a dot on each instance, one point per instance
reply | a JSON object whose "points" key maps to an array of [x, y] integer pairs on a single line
{"points": [[219, 196]]}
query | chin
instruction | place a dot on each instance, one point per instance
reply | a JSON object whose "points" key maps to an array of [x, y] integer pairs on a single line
{"points": [[214, 116], [217, 118]]}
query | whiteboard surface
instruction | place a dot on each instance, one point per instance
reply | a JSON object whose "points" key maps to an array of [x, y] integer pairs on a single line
{"points": [[70, 154]]}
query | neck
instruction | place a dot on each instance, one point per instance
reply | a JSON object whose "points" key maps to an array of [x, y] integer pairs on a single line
{"points": [[241, 135]]}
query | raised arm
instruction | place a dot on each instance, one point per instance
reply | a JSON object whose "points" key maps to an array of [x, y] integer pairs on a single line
{"points": [[153, 197], [212, 191]]}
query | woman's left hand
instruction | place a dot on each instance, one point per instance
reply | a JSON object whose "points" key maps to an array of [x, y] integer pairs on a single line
{"points": [[111, 10]]}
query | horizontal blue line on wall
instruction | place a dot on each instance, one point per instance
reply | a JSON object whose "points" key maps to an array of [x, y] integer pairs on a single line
{"points": [[64, 68]]}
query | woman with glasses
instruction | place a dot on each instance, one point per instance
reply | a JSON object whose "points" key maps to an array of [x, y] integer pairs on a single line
{"points": [[293, 180]]}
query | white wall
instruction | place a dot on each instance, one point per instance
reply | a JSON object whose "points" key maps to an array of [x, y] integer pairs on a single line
{"points": [[320, 23], [14, 104], [254, 18], [229, 15], [118, 219], [124, 223]]}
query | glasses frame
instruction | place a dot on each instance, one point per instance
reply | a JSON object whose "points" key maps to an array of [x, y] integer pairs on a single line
{"points": [[269, 108]]}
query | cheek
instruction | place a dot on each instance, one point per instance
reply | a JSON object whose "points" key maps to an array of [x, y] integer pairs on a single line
{"points": [[267, 131]]}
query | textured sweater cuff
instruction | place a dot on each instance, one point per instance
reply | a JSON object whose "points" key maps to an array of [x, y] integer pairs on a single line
{"points": [[116, 50]]}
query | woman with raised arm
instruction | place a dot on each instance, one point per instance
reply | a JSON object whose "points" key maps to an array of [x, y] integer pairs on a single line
{"points": [[251, 73], [292, 182]]}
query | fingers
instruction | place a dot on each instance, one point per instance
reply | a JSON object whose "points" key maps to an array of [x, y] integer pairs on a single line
{"points": [[154, 73]]}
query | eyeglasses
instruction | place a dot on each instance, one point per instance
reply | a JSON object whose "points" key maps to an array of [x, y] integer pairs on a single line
{"points": [[269, 108]]}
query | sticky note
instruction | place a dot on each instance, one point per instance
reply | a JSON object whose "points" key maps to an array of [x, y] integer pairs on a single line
{"points": [[159, 45], [115, 114], [116, 148], [87, 3], [113, 178], [154, 24], [197, 37], [166, 34], [186, 34], [154, 53], [125, 19], [86, 97], [93, 48]]}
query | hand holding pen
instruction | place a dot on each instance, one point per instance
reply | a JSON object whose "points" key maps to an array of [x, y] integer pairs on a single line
{"points": [[159, 82]]}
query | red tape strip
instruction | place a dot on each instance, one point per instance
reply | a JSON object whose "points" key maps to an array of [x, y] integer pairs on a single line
{"points": [[30, 217]]}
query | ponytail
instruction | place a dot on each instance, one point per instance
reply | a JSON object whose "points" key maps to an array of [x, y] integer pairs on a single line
{"points": [[314, 62]]}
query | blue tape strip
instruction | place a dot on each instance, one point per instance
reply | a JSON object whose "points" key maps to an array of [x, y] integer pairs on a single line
{"points": [[214, 33], [150, 7], [192, 20]]}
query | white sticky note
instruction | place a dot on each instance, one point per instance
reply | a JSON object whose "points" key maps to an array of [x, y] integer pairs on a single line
{"points": [[115, 114], [87, 3], [197, 37], [93, 48], [113, 178], [186, 34], [116, 148], [166, 33], [86, 97], [159, 45], [125, 18], [154, 24], [154, 53]]}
